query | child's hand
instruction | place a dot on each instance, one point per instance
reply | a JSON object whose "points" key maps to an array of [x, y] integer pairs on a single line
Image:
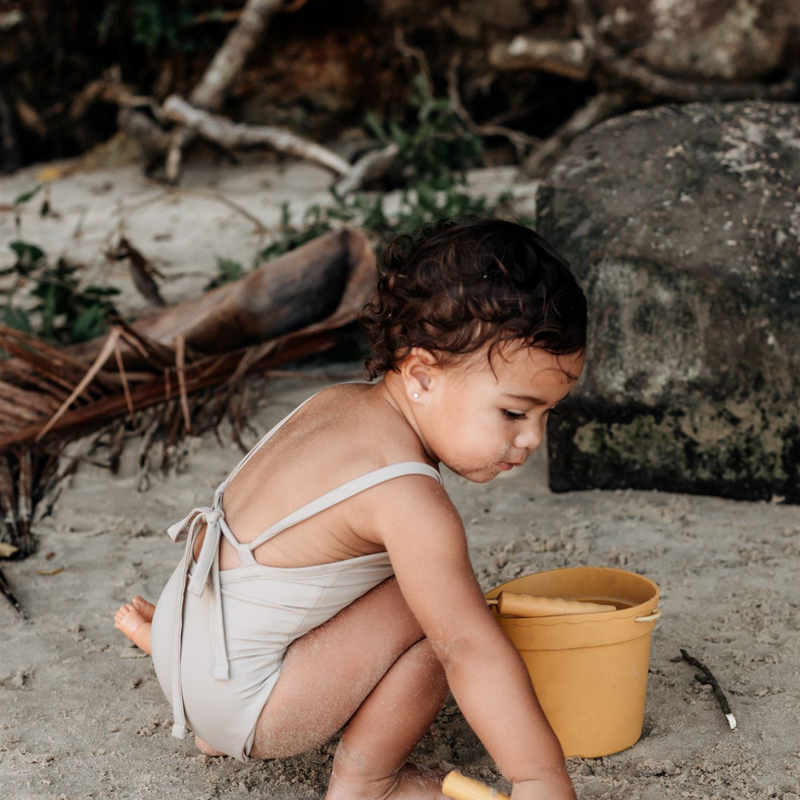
{"points": [[556, 788]]}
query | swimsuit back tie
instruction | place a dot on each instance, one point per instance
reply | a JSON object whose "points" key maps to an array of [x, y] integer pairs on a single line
{"points": [[207, 563]]}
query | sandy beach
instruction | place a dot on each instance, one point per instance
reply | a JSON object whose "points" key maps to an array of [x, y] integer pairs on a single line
{"points": [[82, 714]]}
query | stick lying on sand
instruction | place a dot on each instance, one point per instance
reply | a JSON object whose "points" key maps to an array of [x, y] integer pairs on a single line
{"points": [[723, 701]]}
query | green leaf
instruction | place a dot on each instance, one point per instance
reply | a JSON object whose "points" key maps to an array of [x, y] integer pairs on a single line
{"points": [[373, 123], [25, 196], [228, 271], [426, 194], [16, 318], [28, 255], [87, 325], [398, 134], [100, 291]]}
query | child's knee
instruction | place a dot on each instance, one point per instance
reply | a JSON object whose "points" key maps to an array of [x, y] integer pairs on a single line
{"points": [[431, 670]]}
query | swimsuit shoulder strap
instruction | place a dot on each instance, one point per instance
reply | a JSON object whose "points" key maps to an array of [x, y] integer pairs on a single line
{"points": [[344, 491]]}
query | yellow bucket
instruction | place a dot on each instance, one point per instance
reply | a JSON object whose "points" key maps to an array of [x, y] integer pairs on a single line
{"points": [[589, 671]]}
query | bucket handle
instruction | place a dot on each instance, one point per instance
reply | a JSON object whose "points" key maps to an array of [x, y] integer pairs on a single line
{"points": [[654, 614]]}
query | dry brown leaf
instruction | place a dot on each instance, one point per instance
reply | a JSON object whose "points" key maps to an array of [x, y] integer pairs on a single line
{"points": [[49, 571], [7, 550]]}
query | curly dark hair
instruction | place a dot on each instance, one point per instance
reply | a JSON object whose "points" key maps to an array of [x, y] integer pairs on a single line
{"points": [[453, 286]]}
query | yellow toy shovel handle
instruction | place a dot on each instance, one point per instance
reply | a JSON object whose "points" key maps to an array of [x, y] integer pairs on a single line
{"points": [[460, 787], [525, 605]]}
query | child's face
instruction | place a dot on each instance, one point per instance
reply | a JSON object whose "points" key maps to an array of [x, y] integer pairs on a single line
{"points": [[478, 424]]}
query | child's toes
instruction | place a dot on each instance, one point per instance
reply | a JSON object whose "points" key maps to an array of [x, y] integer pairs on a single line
{"points": [[128, 619]]}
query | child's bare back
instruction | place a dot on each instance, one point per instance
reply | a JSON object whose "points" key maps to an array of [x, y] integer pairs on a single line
{"points": [[347, 431]]}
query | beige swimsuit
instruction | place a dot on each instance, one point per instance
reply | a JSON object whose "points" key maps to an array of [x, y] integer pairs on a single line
{"points": [[218, 648]]}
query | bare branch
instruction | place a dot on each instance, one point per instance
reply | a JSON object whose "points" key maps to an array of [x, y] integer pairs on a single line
{"points": [[174, 163], [369, 167], [235, 135], [597, 109], [153, 140], [410, 53], [226, 65], [520, 140]]}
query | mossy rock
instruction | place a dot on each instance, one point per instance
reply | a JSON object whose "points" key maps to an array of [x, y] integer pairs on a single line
{"points": [[682, 224]]}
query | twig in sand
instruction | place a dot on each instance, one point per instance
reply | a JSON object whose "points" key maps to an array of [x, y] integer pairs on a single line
{"points": [[723, 702], [142, 270]]}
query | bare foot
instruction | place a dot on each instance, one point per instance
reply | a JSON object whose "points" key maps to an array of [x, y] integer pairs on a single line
{"points": [[144, 608], [131, 622], [419, 783], [205, 748], [413, 782]]}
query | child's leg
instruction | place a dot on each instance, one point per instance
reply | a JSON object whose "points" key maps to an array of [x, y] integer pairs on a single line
{"points": [[385, 729], [135, 619], [368, 668]]}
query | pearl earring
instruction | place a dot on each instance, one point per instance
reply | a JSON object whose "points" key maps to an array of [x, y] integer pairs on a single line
{"points": [[415, 395]]}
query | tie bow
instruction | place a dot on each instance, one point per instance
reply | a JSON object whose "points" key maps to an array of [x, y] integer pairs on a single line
{"points": [[207, 565]]}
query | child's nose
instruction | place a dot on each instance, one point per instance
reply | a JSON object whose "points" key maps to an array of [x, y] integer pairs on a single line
{"points": [[529, 439]]}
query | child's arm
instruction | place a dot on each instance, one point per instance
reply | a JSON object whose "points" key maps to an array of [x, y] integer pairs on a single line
{"points": [[425, 539]]}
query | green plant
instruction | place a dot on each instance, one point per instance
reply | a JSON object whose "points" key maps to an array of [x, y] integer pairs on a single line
{"points": [[156, 20], [228, 270], [315, 222], [154, 24], [65, 313], [438, 148], [434, 156]]}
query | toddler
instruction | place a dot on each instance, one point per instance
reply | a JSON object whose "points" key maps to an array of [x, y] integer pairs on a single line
{"points": [[328, 585]]}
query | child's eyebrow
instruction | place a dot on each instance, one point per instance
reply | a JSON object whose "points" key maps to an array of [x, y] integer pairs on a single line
{"points": [[526, 399], [533, 400]]}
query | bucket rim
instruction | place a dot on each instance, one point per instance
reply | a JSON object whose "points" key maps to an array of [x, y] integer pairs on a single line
{"points": [[619, 614]]}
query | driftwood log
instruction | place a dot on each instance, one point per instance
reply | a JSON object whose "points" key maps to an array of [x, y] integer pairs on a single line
{"points": [[327, 279]]}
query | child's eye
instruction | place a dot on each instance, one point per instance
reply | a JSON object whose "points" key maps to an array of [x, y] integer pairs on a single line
{"points": [[511, 415]]}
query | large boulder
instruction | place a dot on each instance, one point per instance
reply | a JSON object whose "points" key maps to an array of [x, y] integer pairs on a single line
{"points": [[683, 225]]}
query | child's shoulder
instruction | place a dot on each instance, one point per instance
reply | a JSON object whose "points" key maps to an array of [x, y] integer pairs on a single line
{"points": [[344, 432], [371, 430], [366, 435]]}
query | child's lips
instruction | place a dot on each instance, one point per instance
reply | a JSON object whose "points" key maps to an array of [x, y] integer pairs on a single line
{"points": [[509, 464]]}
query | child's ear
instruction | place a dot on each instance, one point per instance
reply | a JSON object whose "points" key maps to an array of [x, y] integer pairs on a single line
{"points": [[419, 367]]}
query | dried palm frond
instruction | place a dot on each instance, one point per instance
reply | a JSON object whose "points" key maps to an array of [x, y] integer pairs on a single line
{"points": [[158, 373]]}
